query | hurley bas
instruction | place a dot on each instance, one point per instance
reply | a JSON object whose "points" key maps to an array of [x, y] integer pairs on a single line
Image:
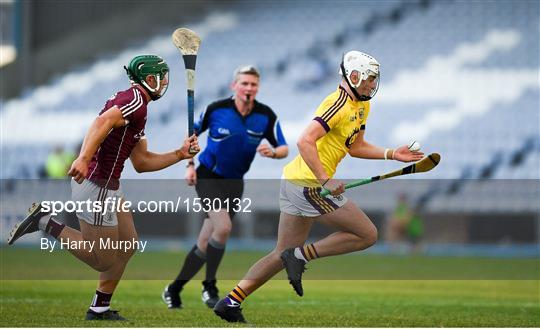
{"points": [[105, 244]]}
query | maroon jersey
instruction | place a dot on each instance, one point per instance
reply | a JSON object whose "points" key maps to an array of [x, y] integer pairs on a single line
{"points": [[108, 162]]}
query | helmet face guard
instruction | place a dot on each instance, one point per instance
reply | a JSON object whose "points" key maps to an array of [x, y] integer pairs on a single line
{"points": [[162, 81], [144, 65], [366, 66]]}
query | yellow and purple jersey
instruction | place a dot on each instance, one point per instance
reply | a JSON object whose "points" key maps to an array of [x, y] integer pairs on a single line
{"points": [[343, 119]]}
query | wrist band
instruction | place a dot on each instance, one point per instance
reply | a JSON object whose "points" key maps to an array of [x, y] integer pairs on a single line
{"points": [[386, 154]]}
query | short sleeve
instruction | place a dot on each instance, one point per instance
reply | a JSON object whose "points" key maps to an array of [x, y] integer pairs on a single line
{"points": [[274, 134], [201, 124], [129, 102], [328, 114]]}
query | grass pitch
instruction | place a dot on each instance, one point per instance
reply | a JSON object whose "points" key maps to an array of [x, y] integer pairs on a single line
{"points": [[329, 301]]}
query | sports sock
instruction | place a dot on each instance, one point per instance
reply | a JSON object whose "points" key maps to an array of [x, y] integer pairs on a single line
{"points": [[214, 254], [51, 226], [306, 252], [236, 296], [193, 263], [101, 302]]}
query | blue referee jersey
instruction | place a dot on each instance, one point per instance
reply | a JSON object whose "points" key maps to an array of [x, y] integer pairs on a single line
{"points": [[233, 139]]}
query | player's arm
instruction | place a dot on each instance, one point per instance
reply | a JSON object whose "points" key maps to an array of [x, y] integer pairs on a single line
{"points": [[275, 136], [307, 146], [362, 149], [99, 129], [279, 152], [144, 160]]}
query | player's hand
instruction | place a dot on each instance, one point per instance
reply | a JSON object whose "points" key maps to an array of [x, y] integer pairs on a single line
{"points": [[79, 170], [190, 143], [403, 154], [335, 187], [191, 176], [266, 151]]}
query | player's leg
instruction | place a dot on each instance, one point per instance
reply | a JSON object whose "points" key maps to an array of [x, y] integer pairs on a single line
{"points": [[82, 244], [193, 262], [356, 231], [221, 229], [292, 231], [100, 259], [108, 280], [204, 235], [227, 191]]}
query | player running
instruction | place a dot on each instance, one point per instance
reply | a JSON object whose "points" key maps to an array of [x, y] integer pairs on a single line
{"points": [[116, 134], [236, 127], [337, 129]]}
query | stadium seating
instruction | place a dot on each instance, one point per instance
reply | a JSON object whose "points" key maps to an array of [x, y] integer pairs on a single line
{"points": [[472, 70]]}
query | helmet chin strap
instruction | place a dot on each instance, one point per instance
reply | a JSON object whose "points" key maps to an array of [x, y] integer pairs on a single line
{"points": [[151, 91], [355, 93]]}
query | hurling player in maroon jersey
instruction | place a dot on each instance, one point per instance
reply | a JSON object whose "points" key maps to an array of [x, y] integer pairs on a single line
{"points": [[115, 135]]}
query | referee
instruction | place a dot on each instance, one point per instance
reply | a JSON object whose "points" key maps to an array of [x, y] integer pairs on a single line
{"points": [[236, 126]]}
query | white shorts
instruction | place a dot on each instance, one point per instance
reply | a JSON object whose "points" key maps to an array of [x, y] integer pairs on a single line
{"points": [[306, 201], [90, 191]]}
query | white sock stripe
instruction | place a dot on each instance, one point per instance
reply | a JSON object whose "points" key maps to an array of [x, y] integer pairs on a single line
{"points": [[94, 300], [100, 309]]}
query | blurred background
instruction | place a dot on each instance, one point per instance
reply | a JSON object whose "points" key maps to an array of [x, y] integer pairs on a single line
{"points": [[462, 78]]}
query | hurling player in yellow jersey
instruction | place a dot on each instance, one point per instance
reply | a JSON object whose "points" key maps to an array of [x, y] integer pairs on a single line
{"points": [[337, 129]]}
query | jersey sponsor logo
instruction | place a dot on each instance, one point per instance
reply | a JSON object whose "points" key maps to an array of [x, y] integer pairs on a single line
{"points": [[224, 131], [359, 114], [352, 137]]}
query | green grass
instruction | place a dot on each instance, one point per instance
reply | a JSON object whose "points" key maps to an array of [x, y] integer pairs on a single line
{"points": [[336, 301]]}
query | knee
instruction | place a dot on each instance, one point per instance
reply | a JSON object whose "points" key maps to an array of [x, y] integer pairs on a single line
{"points": [[129, 249], [366, 238], [370, 236], [221, 233], [127, 253]]}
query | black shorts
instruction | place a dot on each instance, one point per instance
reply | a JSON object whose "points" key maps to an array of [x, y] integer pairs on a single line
{"points": [[213, 187]]}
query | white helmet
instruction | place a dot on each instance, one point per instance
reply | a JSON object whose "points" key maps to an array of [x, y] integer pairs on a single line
{"points": [[365, 65]]}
